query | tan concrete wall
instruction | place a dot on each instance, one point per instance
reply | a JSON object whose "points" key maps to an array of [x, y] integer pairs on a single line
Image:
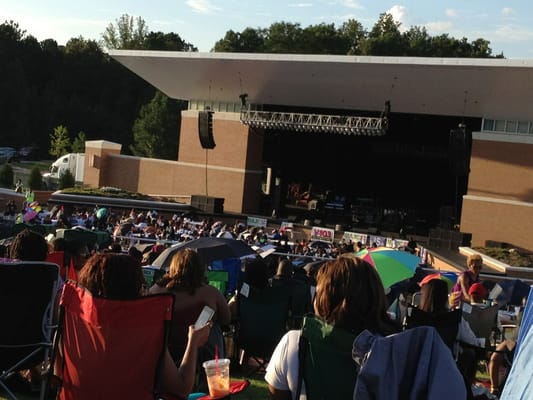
{"points": [[501, 170], [499, 202], [96, 161], [232, 170], [498, 221]]}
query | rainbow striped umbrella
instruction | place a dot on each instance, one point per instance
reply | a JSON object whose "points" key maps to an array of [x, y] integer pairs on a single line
{"points": [[449, 277], [392, 265]]}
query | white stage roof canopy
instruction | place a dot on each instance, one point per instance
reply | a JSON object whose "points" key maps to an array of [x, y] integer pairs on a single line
{"points": [[491, 88]]}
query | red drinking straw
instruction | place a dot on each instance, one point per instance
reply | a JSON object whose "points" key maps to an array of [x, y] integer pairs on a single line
{"points": [[216, 359]]}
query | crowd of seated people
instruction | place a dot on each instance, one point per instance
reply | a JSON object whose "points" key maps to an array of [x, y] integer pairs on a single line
{"points": [[186, 279]]}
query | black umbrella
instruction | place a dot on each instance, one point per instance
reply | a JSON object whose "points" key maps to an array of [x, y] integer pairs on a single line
{"points": [[209, 249]]}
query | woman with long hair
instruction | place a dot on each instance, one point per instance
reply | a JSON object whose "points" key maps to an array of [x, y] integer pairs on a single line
{"points": [[186, 279], [349, 296], [434, 300], [120, 277]]}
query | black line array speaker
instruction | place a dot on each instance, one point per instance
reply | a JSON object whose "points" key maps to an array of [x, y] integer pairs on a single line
{"points": [[460, 145], [446, 217], [205, 129]]}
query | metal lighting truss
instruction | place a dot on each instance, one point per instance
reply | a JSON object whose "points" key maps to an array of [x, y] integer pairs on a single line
{"points": [[346, 125]]}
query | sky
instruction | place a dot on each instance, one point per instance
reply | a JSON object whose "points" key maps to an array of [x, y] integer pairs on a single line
{"points": [[507, 24]]}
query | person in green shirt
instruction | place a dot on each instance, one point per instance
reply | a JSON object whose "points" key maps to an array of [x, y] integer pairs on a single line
{"points": [[30, 197]]}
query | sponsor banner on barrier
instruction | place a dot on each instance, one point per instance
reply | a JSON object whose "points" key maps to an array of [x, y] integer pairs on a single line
{"points": [[377, 241], [356, 237], [255, 221], [287, 225], [322, 234], [396, 243]]}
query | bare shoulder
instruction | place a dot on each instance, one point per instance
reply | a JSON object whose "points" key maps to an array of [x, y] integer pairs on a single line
{"points": [[211, 294], [209, 290]]}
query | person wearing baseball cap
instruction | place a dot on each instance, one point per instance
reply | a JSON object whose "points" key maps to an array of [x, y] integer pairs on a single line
{"points": [[478, 293]]}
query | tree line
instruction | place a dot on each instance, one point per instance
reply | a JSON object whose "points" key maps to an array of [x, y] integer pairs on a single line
{"points": [[56, 97]]}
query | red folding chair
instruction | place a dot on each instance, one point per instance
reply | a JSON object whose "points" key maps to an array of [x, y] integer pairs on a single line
{"points": [[58, 257], [110, 349]]}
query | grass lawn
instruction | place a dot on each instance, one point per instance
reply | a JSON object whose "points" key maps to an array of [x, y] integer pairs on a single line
{"points": [[258, 390]]}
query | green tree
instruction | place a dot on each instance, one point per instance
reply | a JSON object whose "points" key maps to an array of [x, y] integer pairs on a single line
{"points": [[284, 37], [78, 144], [480, 48], [352, 34], [59, 141], [156, 131], [129, 33], [248, 41], [11, 32], [35, 180], [384, 39], [322, 39], [66, 180], [167, 41], [6, 175], [418, 42]]}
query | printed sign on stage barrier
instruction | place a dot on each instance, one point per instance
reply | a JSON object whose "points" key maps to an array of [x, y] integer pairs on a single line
{"points": [[322, 234], [255, 221], [356, 237]]}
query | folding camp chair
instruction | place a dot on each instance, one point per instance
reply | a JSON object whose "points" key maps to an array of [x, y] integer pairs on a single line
{"points": [[447, 324], [218, 279], [27, 299], [58, 257], [110, 349], [414, 364], [325, 361], [483, 321], [262, 321]]}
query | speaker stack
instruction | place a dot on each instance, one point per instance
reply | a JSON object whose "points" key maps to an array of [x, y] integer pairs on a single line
{"points": [[207, 204], [205, 129], [460, 145], [447, 239]]}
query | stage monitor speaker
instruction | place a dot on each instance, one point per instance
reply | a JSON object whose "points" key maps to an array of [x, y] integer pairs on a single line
{"points": [[446, 217], [460, 145], [205, 129], [207, 204]]}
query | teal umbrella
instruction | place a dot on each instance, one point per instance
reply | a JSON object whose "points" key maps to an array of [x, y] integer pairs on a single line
{"points": [[392, 265], [101, 213]]}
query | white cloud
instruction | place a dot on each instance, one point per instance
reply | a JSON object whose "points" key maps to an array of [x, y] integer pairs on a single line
{"points": [[450, 12], [439, 27], [352, 4], [300, 5], [507, 11], [202, 6], [399, 13], [513, 33]]}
